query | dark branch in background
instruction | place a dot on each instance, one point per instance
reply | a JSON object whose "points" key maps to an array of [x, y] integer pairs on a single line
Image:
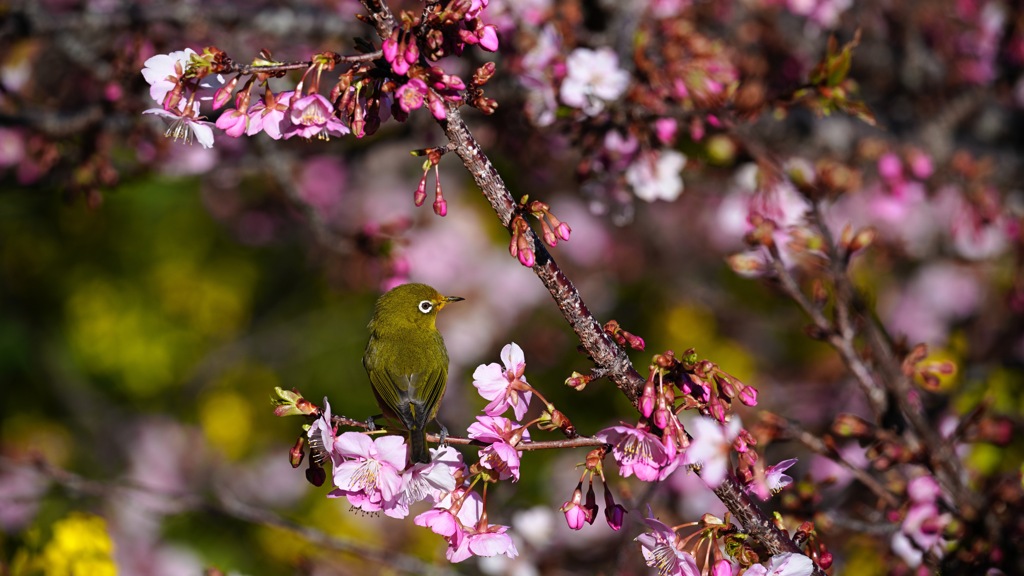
{"points": [[227, 506], [598, 345]]}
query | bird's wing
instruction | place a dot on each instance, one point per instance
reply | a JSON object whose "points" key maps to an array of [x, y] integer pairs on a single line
{"points": [[413, 397]]}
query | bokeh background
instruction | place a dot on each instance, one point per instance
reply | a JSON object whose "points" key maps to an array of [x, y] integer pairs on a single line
{"points": [[153, 294]]}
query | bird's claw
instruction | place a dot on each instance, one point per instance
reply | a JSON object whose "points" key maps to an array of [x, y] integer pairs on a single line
{"points": [[443, 441]]}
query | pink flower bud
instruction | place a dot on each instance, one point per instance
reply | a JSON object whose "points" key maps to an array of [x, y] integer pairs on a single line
{"points": [[390, 46], [549, 237], [717, 409], [489, 38], [440, 206], [469, 37], [661, 417], [748, 396], [890, 167], [421, 191], [575, 514], [665, 130], [614, 513], [223, 94], [527, 257], [412, 52], [563, 231], [647, 400], [436, 105]]}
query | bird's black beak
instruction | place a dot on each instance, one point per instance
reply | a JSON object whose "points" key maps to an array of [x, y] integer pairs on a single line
{"points": [[446, 299]]}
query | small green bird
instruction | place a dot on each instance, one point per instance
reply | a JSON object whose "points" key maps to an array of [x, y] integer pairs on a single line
{"points": [[407, 361]]}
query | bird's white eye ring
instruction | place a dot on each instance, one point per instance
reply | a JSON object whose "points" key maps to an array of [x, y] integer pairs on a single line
{"points": [[426, 306]]}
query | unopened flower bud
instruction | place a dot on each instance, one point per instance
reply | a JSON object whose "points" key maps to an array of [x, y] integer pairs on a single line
{"points": [[580, 381], [483, 74], [591, 504], [717, 408], [315, 474], [575, 512], [748, 395], [661, 417], [296, 453], [850, 426], [223, 94], [420, 195], [562, 230], [863, 239], [647, 398], [614, 513], [527, 257]]}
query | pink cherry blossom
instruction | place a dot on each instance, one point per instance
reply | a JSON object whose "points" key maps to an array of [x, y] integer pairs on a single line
{"points": [[639, 452], [233, 122], [710, 448], [186, 125], [502, 435], [312, 116], [660, 549], [431, 481], [773, 481], [163, 71], [322, 433], [267, 116], [504, 388], [369, 473], [410, 95]]}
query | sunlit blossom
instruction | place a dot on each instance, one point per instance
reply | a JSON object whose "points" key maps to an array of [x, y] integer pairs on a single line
{"points": [[500, 385], [186, 125], [639, 452], [711, 446], [369, 474], [661, 551]]}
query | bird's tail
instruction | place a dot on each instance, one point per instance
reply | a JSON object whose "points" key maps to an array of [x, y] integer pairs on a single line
{"points": [[418, 451]]}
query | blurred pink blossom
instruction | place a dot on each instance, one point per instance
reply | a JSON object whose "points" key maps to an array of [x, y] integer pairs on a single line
{"points": [[938, 295], [321, 182], [593, 79], [657, 175]]}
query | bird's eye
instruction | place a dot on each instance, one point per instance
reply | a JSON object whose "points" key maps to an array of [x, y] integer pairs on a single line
{"points": [[426, 306]]}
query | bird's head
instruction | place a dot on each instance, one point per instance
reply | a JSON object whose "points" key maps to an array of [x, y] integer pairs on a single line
{"points": [[409, 305]]}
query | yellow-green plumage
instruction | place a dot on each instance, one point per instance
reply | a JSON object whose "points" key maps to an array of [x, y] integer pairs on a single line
{"points": [[407, 361]]}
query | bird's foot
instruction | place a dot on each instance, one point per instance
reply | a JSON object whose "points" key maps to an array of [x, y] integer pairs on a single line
{"points": [[444, 437]]}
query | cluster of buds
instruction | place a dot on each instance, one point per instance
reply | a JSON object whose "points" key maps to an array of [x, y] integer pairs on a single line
{"points": [[433, 35], [704, 386], [930, 372], [550, 232], [552, 229], [521, 244], [807, 536], [579, 511], [622, 337]]}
